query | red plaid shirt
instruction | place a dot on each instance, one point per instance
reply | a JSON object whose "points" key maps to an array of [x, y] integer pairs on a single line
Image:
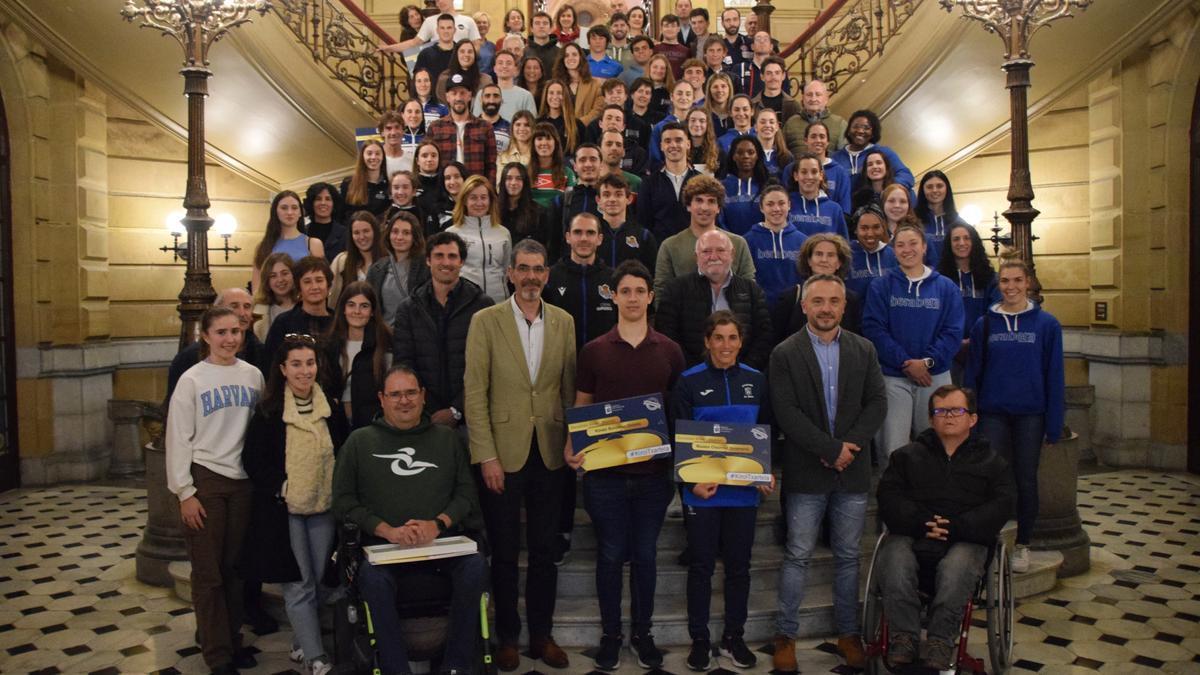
{"points": [[479, 145]]}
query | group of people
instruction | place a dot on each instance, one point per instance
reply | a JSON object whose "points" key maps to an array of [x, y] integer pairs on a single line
{"points": [[518, 245]]}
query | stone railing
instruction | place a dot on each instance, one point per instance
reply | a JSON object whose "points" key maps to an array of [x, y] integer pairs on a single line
{"points": [[347, 49], [844, 39]]}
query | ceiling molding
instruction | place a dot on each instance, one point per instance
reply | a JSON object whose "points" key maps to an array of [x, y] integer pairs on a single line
{"points": [[28, 21]]}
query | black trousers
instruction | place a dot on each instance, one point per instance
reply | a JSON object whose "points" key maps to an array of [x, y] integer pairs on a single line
{"points": [[539, 490]]}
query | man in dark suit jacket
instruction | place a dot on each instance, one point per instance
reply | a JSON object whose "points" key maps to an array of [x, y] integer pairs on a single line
{"points": [[829, 399]]}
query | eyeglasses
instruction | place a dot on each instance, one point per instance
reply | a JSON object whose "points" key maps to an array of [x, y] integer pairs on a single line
{"points": [[536, 269], [300, 337], [950, 412], [407, 394]]}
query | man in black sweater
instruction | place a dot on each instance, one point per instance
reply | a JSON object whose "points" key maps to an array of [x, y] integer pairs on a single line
{"points": [[944, 498], [687, 301], [580, 283]]}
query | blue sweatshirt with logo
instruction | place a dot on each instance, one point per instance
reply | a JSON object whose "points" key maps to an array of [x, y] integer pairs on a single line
{"points": [[867, 266], [913, 319], [737, 395], [741, 204], [822, 214], [975, 299], [775, 255], [1022, 371]]}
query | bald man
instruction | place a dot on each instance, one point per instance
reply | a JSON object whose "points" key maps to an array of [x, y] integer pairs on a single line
{"points": [[242, 304], [814, 107]]}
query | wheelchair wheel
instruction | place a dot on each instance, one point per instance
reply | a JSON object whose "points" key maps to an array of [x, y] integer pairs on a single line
{"points": [[1000, 610], [872, 625]]}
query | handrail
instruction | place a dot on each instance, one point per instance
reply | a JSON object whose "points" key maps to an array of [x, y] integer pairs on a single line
{"points": [[368, 22], [817, 24], [840, 43], [348, 51]]}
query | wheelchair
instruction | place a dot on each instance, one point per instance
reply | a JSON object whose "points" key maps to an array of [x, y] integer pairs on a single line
{"points": [[994, 593], [424, 615]]}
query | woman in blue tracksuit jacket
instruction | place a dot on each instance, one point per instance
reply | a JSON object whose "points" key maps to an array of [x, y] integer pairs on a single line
{"points": [[914, 317], [935, 208], [775, 244], [1016, 369], [812, 209], [964, 261], [745, 177], [870, 255], [720, 519]]}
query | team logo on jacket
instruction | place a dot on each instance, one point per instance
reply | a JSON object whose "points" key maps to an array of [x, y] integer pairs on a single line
{"points": [[403, 463], [632, 242], [562, 290], [748, 390], [605, 292]]}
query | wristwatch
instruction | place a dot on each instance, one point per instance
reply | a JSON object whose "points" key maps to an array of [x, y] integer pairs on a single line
{"points": [[928, 362], [455, 412]]}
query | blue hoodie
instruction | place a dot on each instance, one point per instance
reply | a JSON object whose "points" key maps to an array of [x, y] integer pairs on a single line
{"points": [[726, 139], [771, 160], [822, 214], [936, 229], [854, 165], [736, 396], [837, 184], [976, 300], [775, 255], [866, 266], [913, 319], [741, 204], [1023, 374]]}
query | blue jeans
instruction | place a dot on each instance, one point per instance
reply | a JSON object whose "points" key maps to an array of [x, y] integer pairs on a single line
{"points": [[729, 531], [848, 514], [627, 512], [312, 541], [468, 578], [958, 573], [1018, 439]]}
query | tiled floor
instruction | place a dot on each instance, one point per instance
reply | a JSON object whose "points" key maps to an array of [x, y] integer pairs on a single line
{"points": [[71, 603]]}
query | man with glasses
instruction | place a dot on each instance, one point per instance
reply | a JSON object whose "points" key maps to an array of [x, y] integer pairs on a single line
{"points": [[829, 399], [404, 480], [429, 333], [516, 406], [944, 498]]}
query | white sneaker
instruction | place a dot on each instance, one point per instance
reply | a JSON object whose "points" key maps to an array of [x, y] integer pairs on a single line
{"points": [[296, 655], [1020, 559], [320, 667]]}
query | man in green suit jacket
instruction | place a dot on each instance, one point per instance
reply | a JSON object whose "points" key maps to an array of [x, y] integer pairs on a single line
{"points": [[520, 378]]}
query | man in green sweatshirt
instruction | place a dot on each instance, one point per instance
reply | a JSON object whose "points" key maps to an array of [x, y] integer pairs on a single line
{"points": [[407, 481]]}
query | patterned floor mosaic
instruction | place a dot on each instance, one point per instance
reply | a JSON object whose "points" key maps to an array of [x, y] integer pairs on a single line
{"points": [[70, 602]]}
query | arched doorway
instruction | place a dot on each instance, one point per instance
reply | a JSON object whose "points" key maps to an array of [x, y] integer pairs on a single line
{"points": [[10, 465], [1193, 459]]}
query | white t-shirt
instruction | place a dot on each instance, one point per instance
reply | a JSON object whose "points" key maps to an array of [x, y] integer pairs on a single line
{"points": [[464, 28], [460, 156], [206, 422]]}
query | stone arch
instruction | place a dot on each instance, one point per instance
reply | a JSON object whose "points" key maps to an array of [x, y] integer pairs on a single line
{"points": [[20, 61]]}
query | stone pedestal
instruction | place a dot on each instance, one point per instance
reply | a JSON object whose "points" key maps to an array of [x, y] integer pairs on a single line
{"points": [[126, 417], [162, 541], [1058, 527]]}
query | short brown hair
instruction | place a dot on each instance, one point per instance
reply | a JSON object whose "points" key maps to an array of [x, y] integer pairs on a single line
{"points": [[390, 117], [810, 245], [704, 185], [311, 263]]}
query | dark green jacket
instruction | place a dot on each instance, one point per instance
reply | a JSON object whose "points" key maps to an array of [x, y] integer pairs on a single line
{"points": [[384, 474]]}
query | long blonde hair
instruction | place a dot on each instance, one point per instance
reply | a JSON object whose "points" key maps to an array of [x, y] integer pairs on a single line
{"points": [[570, 131], [460, 205]]}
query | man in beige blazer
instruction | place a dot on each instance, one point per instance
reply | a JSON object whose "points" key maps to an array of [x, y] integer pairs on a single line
{"points": [[520, 378]]}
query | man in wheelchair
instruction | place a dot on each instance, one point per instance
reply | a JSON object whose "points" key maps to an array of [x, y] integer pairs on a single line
{"points": [[405, 480], [944, 498]]}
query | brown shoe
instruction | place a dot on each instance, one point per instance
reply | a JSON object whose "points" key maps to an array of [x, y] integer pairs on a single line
{"points": [[508, 658], [785, 654], [549, 652], [851, 649]]}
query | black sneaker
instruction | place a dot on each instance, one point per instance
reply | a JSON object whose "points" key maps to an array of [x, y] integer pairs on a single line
{"points": [[608, 657], [562, 548], [700, 658], [647, 654], [734, 648], [902, 650]]}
